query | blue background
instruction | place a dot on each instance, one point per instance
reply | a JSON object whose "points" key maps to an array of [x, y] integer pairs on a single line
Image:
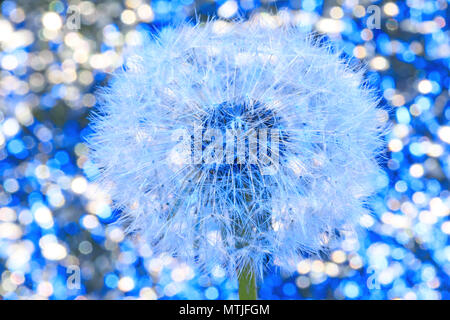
{"points": [[56, 236]]}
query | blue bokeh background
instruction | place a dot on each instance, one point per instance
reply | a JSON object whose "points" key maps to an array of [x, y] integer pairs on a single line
{"points": [[57, 240]]}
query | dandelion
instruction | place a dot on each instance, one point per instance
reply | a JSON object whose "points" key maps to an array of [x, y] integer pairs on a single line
{"points": [[237, 148]]}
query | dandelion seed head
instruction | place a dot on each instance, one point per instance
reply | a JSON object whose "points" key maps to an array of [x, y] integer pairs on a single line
{"points": [[161, 144]]}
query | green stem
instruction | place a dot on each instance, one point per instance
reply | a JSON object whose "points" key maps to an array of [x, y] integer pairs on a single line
{"points": [[247, 284]]}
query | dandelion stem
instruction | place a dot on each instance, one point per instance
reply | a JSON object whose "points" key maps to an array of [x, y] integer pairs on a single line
{"points": [[247, 284]]}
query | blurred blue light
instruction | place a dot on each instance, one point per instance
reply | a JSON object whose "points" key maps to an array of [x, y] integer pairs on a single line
{"points": [[403, 115], [211, 293]]}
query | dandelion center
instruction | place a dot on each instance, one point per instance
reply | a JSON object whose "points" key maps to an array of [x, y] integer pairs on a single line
{"points": [[254, 139]]}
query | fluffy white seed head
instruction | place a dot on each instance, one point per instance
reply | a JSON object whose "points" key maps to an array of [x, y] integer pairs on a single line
{"points": [[188, 80]]}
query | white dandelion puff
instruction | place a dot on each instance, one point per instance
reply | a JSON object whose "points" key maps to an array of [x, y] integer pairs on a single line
{"points": [[232, 148]]}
